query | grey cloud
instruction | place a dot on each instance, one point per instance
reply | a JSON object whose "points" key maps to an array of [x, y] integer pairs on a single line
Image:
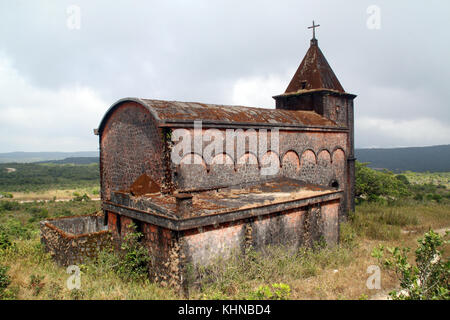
{"points": [[197, 51]]}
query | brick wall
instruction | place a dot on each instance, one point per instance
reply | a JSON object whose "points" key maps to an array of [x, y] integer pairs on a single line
{"points": [[131, 145], [176, 255], [73, 240], [315, 157]]}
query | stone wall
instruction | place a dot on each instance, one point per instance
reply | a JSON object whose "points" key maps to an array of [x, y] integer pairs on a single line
{"points": [[73, 240], [315, 157], [291, 228], [130, 145], [176, 255]]}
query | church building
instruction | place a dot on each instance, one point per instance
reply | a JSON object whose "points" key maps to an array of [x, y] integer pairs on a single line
{"points": [[203, 181]]}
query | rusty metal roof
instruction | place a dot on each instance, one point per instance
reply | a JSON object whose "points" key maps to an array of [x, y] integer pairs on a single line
{"points": [[173, 113], [314, 72]]}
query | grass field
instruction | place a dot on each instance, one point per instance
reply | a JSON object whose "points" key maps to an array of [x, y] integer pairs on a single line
{"points": [[436, 178], [330, 273], [55, 194], [338, 272]]}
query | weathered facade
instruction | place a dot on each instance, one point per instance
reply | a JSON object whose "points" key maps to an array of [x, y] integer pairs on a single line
{"points": [[252, 177]]}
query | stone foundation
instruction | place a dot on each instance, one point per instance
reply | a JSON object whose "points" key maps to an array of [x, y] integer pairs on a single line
{"points": [[73, 240], [177, 254]]}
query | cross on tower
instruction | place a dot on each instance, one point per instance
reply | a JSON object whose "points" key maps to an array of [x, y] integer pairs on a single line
{"points": [[314, 26]]}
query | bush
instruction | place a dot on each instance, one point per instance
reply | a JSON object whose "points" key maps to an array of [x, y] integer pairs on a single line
{"points": [[9, 205], [419, 196], [77, 294], [6, 195], [37, 214], [80, 198], [403, 179], [5, 281], [36, 284], [437, 198], [372, 185], [134, 256], [15, 229], [130, 263], [278, 291], [5, 242], [54, 291], [428, 279], [347, 235]]}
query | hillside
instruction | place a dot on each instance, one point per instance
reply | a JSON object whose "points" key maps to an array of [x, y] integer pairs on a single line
{"points": [[26, 157], [417, 159], [24, 177], [73, 160]]}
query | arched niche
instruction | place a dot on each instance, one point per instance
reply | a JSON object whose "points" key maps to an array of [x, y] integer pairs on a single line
{"points": [[290, 164], [270, 164]]}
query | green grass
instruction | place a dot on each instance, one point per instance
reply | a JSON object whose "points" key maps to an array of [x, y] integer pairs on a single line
{"points": [[329, 273], [324, 273], [436, 178]]}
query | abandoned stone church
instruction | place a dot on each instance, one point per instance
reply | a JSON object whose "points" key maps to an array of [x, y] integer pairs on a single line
{"points": [[206, 206]]}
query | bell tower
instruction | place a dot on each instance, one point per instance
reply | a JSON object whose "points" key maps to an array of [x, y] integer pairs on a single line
{"points": [[315, 87]]}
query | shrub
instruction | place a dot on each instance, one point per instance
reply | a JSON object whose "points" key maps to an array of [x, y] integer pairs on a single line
{"points": [[5, 242], [133, 260], [347, 235], [419, 196], [36, 284], [80, 198], [9, 205], [77, 294], [402, 178], [6, 195], [428, 279], [54, 290], [37, 214], [373, 185], [15, 229], [278, 291], [64, 213], [437, 198], [5, 281]]}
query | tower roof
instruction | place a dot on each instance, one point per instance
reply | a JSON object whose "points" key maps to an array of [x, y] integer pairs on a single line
{"points": [[314, 72]]}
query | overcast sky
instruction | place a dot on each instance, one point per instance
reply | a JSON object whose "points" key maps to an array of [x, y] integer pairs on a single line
{"points": [[57, 80]]}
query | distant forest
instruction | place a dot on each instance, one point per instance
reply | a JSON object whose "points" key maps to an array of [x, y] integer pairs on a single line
{"points": [[27, 157], [420, 159], [16, 177]]}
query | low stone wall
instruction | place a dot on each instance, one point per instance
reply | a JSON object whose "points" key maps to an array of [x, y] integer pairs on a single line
{"points": [[72, 240], [176, 255]]}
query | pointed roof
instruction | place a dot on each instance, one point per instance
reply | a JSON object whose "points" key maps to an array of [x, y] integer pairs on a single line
{"points": [[314, 72]]}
